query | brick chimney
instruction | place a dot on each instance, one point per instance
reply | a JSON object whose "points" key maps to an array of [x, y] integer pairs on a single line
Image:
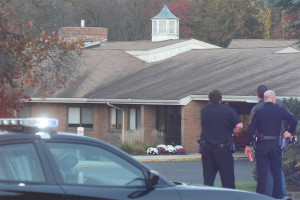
{"points": [[94, 34]]}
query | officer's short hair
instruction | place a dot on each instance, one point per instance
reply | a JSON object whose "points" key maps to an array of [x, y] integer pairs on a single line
{"points": [[215, 96], [261, 89], [269, 94]]}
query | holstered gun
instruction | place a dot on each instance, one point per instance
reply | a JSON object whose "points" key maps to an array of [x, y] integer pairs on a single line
{"points": [[254, 141]]}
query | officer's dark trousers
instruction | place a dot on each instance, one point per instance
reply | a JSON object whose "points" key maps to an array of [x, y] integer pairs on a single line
{"points": [[269, 154], [218, 158]]}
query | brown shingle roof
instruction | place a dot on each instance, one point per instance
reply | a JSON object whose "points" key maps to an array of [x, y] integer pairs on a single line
{"points": [[233, 71], [111, 73], [260, 43]]}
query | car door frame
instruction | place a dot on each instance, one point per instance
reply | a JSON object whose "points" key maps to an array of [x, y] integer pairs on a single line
{"points": [[23, 190]]}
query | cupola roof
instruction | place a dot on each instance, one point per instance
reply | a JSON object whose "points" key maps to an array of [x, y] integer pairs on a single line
{"points": [[165, 13]]}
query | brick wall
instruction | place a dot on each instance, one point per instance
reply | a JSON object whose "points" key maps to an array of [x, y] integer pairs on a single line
{"points": [[148, 115], [191, 125], [101, 122], [95, 34], [57, 111]]}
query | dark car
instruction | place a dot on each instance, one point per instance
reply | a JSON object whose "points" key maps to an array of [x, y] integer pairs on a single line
{"points": [[39, 163]]}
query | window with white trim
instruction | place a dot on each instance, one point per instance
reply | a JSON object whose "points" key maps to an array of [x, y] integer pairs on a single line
{"points": [[80, 117], [172, 27], [134, 118], [115, 118], [162, 27], [154, 27]]}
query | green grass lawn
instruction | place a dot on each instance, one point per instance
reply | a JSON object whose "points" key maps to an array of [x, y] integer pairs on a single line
{"points": [[247, 186]]}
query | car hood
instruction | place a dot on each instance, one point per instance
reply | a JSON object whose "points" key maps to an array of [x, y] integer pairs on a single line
{"points": [[214, 193]]}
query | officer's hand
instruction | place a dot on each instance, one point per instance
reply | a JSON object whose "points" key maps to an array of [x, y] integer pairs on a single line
{"points": [[248, 150], [238, 128], [287, 134]]}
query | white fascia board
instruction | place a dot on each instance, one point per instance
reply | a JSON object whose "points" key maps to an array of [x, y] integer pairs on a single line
{"points": [[182, 102], [185, 100], [103, 101], [56, 100], [228, 98], [235, 98]]}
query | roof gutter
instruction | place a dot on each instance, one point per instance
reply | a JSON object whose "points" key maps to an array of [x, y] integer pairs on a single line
{"points": [[183, 101], [228, 98], [103, 101]]}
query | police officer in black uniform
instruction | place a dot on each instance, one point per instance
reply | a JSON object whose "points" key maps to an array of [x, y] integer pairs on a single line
{"points": [[261, 89], [267, 121], [218, 122]]}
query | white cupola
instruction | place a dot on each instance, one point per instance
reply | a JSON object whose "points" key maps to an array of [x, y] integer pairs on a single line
{"points": [[165, 26]]}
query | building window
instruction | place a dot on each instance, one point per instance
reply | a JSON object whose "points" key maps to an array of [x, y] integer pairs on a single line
{"points": [[162, 27], [154, 27], [172, 27], [115, 118], [134, 118], [80, 117]]}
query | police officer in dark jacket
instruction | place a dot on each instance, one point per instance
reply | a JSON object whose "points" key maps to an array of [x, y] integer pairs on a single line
{"points": [[261, 89], [218, 122], [267, 121]]}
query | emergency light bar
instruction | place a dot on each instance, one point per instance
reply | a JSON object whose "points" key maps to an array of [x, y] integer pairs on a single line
{"points": [[30, 122]]}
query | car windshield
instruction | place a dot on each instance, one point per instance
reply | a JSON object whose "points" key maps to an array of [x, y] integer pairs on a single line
{"points": [[91, 165]]}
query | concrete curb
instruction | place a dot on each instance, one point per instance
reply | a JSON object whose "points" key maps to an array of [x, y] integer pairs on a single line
{"points": [[187, 157]]}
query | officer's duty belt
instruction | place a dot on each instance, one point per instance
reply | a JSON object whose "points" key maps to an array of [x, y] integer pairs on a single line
{"points": [[271, 138], [266, 137]]}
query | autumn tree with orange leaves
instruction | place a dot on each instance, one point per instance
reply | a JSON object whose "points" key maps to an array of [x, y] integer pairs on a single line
{"points": [[31, 57]]}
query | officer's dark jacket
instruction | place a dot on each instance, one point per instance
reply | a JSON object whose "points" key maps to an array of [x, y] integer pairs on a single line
{"points": [[218, 121], [262, 102], [267, 121]]}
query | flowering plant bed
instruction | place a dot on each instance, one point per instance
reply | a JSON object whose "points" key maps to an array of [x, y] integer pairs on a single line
{"points": [[166, 149]]}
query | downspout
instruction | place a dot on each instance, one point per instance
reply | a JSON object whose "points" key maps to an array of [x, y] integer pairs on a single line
{"points": [[123, 120]]}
